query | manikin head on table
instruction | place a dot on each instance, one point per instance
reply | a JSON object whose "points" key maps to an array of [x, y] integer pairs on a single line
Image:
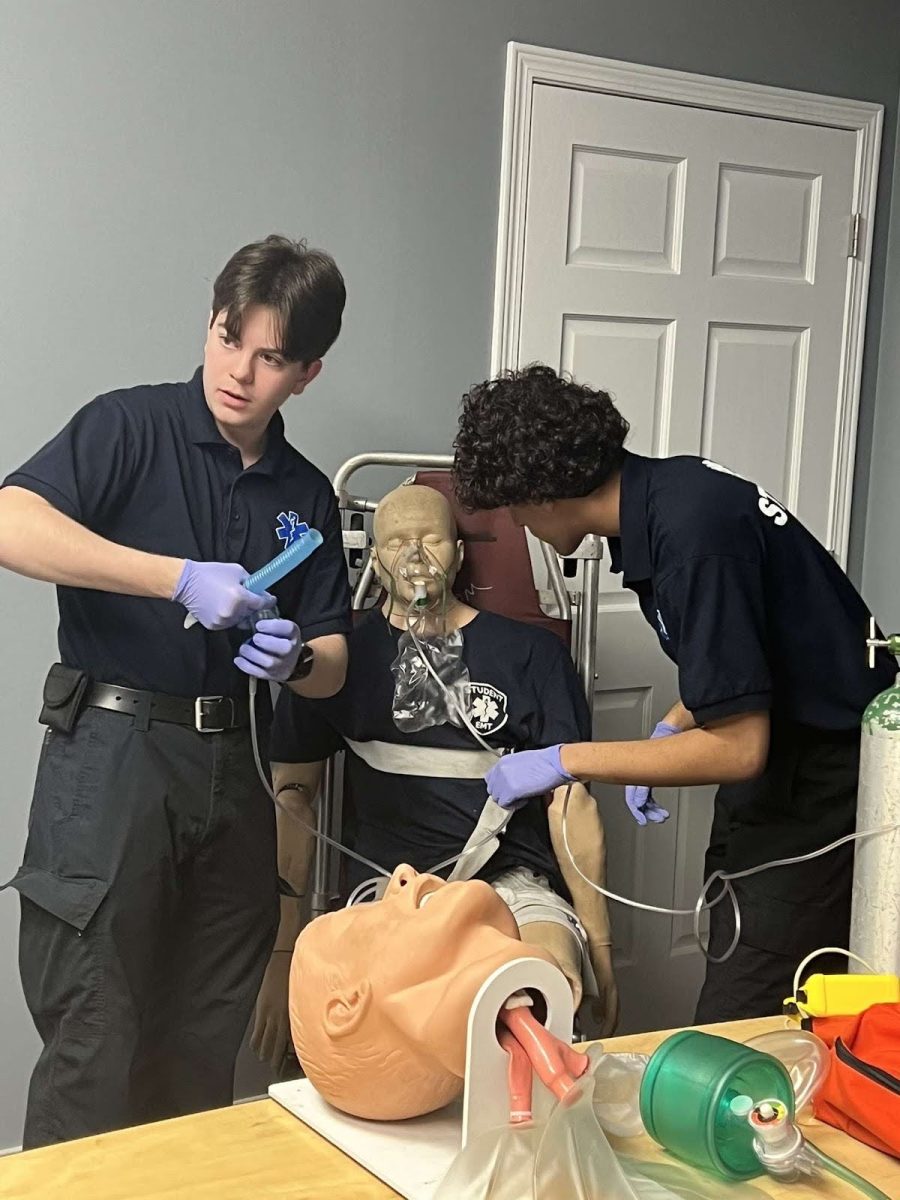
{"points": [[380, 993]]}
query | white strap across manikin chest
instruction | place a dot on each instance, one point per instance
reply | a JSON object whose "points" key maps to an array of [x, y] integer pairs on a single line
{"points": [[484, 840], [442, 763], [431, 762]]}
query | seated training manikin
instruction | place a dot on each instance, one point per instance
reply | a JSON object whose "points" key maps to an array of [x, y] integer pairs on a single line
{"points": [[522, 691]]}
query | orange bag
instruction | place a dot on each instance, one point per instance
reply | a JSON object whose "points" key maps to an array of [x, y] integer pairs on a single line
{"points": [[861, 1094]]}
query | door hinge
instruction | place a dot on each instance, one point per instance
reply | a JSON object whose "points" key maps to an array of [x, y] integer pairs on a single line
{"points": [[855, 229]]}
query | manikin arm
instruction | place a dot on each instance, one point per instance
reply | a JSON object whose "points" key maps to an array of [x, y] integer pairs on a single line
{"points": [[587, 841], [296, 786], [679, 717], [271, 1027]]}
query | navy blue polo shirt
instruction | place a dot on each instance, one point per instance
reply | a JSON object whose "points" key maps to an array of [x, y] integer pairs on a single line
{"points": [[753, 610], [148, 468]]}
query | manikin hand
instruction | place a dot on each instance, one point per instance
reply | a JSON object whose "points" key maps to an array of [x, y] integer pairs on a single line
{"points": [[273, 650], [604, 1009], [271, 1028], [528, 773], [214, 594], [639, 798]]}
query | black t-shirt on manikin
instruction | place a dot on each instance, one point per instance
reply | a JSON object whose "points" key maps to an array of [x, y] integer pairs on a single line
{"points": [[525, 694]]}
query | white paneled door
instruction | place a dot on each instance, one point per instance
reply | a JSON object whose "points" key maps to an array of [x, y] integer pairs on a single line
{"points": [[694, 263]]}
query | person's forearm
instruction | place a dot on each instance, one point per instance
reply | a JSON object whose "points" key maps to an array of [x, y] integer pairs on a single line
{"points": [[727, 752], [329, 668], [39, 541], [679, 718], [584, 831]]}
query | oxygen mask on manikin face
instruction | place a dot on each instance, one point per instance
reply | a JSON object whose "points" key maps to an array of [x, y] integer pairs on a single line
{"points": [[419, 577], [420, 700]]}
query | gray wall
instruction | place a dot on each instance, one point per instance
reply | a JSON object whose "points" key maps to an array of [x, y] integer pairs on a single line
{"points": [[881, 568], [141, 143]]}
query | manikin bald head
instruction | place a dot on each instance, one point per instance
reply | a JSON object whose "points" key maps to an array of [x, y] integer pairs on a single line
{"points": [[415, 540], [380, 993]]}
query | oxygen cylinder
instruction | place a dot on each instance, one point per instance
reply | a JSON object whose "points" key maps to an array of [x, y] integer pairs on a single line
{"points": [[875, 923]]}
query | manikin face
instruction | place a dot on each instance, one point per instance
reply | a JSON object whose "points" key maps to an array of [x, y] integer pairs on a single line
{"points": [[382, 992], [247, 381], [427, 928], [415, 542], [551, 522]]}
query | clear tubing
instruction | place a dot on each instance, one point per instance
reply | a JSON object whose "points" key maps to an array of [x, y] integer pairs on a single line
{"points": [[702, 904], [841, 1172], [254, 737]]}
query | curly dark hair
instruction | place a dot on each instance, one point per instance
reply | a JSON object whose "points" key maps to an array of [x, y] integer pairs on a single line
{"points": [[533, 435]]}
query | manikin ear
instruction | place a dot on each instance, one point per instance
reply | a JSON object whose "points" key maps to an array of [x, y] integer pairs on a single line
{"points": [[380, 572], [310, 372], [460, 555], [346, 1009]]}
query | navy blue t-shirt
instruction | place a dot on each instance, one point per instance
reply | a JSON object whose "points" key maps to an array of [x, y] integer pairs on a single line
{"points": [[756, 614], [525, 693], [148, 468]]}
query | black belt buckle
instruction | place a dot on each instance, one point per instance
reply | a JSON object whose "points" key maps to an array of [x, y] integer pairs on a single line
{"points": [[201, 716]]}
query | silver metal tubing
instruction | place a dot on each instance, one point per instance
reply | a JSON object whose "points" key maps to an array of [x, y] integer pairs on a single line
{"points": [[557, 583], [352, 465]]}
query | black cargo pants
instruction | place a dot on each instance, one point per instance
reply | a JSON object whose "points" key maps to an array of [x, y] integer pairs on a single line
{"points": [[805, 799], [149, 909]]}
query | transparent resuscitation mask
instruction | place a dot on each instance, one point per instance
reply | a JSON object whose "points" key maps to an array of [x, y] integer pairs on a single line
{"points": [[420, 569]]}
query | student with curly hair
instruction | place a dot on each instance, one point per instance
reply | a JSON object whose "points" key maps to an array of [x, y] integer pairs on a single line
{"points": [[767, 633]]}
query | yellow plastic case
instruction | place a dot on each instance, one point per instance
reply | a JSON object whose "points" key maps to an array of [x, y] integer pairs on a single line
{"points": [[843, 995]]}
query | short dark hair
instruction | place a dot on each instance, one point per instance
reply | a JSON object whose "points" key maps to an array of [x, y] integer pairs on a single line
{"points": [[304, 287], [533, 435]]}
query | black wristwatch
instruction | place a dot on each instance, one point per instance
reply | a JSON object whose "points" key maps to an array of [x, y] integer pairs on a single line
{"points": [[304, 664]]}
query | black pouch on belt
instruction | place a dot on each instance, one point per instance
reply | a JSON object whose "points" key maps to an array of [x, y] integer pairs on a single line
{"points": [[64, 690]]}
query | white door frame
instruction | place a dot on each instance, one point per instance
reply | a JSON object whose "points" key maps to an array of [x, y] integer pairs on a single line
{"points": [[530, 65]]}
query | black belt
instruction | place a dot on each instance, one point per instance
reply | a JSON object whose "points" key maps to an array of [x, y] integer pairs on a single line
{"points": [[206, 714]]}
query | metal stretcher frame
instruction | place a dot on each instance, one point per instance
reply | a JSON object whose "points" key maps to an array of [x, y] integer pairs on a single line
{"points": [[575, 600]]}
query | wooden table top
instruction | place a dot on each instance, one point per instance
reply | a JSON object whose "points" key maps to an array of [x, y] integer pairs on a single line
{"points": [[258, 1151]]}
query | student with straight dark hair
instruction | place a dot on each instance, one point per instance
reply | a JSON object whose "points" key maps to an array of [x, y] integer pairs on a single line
{"points": [[148, 889]]}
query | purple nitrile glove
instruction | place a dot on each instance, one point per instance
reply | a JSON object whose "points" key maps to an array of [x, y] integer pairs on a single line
{"points": [[528, 773], [639, 798], [273, 650], [213, 593]]}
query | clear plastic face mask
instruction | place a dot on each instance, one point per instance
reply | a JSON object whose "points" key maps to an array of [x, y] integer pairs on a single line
{"points": [[417, 578]]}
